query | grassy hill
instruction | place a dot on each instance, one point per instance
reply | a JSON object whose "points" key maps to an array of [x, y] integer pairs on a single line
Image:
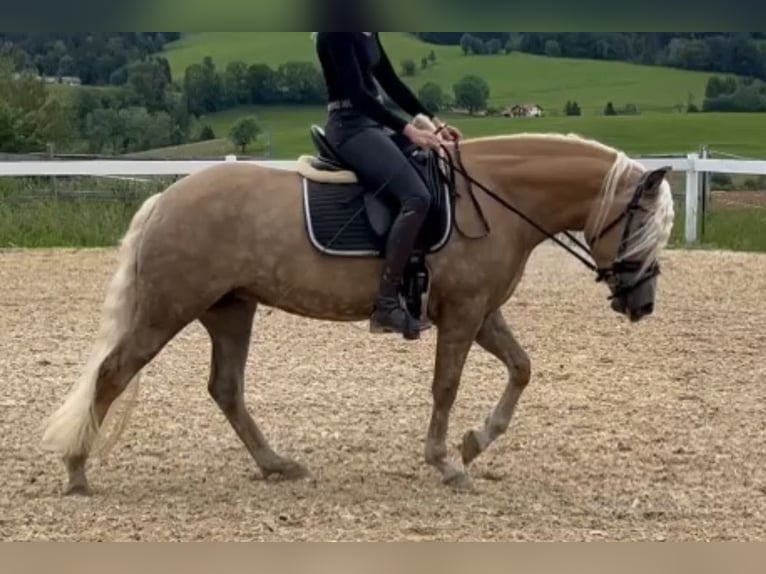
{"points": [[549, 82], [652, 134], [658, 92]]}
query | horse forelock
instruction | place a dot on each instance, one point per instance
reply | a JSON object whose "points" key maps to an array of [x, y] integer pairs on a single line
{"points": [[652, 236]]}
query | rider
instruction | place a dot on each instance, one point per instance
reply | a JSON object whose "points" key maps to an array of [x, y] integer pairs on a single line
{"points": [[359, 127]]}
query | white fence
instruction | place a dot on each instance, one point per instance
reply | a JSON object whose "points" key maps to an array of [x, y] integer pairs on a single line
{"points": [[693, 165]]}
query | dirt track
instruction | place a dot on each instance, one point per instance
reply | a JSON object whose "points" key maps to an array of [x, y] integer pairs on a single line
{"points": [[638, 433]]}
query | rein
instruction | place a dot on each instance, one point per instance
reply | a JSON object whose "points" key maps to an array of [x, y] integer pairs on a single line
{"points": [[602, 274]]}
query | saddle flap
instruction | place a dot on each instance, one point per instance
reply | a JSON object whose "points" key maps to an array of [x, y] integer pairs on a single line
{"points": [[379, 214]]}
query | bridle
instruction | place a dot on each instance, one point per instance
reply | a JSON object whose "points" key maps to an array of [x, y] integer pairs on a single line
{"points": [[613, 275]]}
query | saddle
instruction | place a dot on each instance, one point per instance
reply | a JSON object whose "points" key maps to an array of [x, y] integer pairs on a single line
{"points": [[345, 219]]}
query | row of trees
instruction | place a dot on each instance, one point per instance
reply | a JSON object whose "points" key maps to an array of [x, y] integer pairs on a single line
{"points": [[148, 111], [209, 90], [740, 53], [729, 94], [96, 58]]}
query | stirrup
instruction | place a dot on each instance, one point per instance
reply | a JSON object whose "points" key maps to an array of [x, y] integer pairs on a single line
{"points": [[410, 331]]}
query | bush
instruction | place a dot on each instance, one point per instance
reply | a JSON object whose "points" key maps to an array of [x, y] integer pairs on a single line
{"points": [[206, 133], [721, 181]]}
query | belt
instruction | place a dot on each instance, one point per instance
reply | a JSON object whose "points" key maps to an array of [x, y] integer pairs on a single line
{"points": [[345, 104], [339, 105]]}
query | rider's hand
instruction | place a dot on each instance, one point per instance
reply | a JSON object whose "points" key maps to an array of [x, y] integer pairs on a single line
{"points": [[448, 133], [422, 138], [451, 133]]}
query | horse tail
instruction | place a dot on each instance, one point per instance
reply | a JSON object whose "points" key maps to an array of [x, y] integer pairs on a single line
{"points": [[73, 429]]}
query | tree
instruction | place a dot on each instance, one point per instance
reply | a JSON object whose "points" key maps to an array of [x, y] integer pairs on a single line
{"points": [[465, 43], [432, 96], [552, 49], [236, 85], [408, 67], [104, 129], [424, 63], [494, 46], [244, 132], [432, 57], [718, 86], [609, 110], [206, 133], [148, 82], [301, 83], [572, 109], [472, 93], [263, 84], [203, 88]]}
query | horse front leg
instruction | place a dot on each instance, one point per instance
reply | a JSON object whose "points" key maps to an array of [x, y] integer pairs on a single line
{"points": [[496, 337], [456, 333]]}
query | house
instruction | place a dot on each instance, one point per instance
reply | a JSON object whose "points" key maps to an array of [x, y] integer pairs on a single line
{"points": [[523, 111]]}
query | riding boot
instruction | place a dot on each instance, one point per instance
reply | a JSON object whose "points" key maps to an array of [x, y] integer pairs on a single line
{"points": [[390, 315]]}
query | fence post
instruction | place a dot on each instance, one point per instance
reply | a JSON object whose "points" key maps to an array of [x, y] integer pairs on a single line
{"points": [[692, 200]]}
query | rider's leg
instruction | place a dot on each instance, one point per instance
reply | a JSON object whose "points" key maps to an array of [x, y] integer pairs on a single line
{"points": [[381, 165]]}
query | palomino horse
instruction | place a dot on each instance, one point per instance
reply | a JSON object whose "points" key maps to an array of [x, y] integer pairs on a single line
{"points": [[218, 243]]}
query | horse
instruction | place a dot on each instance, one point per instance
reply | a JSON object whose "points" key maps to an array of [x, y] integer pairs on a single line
{"points": [[217, 244]]}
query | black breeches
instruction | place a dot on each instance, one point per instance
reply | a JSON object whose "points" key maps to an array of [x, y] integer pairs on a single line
{"points": [[379, 162]]}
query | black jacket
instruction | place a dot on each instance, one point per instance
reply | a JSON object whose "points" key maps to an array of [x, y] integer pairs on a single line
{"points": [[351, 61]]}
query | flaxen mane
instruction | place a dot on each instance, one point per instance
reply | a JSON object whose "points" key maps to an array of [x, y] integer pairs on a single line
{"points": [[649, 239]]}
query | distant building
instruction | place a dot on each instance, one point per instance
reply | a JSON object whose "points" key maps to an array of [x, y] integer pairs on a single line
{"points": [[66, 80], [524, 111]]}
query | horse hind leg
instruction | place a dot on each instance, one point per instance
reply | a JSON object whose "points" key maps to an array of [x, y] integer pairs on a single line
{"points": [[229, 324], [78, 424], [125, 345]]}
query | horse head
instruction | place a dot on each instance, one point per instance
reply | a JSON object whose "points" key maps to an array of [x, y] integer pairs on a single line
{"points": [[628, 229]]}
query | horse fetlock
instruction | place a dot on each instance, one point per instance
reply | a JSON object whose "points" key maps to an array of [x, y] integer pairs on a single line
{"points": [[436, 453]]}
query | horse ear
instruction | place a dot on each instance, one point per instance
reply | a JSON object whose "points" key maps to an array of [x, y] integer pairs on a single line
{"points": [[653, 180]]}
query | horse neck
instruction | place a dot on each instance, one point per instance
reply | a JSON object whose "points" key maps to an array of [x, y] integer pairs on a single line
{"points": [[558, 182]]}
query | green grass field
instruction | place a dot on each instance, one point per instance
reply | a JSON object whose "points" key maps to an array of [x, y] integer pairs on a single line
{"points": [[514, 78], [652, 134]]}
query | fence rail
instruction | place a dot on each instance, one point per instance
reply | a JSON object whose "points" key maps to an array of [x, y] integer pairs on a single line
{"points": [[693, 165]]}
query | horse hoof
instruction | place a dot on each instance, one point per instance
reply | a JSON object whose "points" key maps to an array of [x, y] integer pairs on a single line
{"points": [[78, 490], [471, 448], [460, 482], [288, 471]]}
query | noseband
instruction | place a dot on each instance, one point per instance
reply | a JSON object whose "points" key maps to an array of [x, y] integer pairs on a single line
{"points": [[619, 268], [622, 267]]}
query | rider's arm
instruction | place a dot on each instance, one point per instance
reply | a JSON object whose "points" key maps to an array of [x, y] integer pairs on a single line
{"points": [[340, 45], [396, 89]]}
